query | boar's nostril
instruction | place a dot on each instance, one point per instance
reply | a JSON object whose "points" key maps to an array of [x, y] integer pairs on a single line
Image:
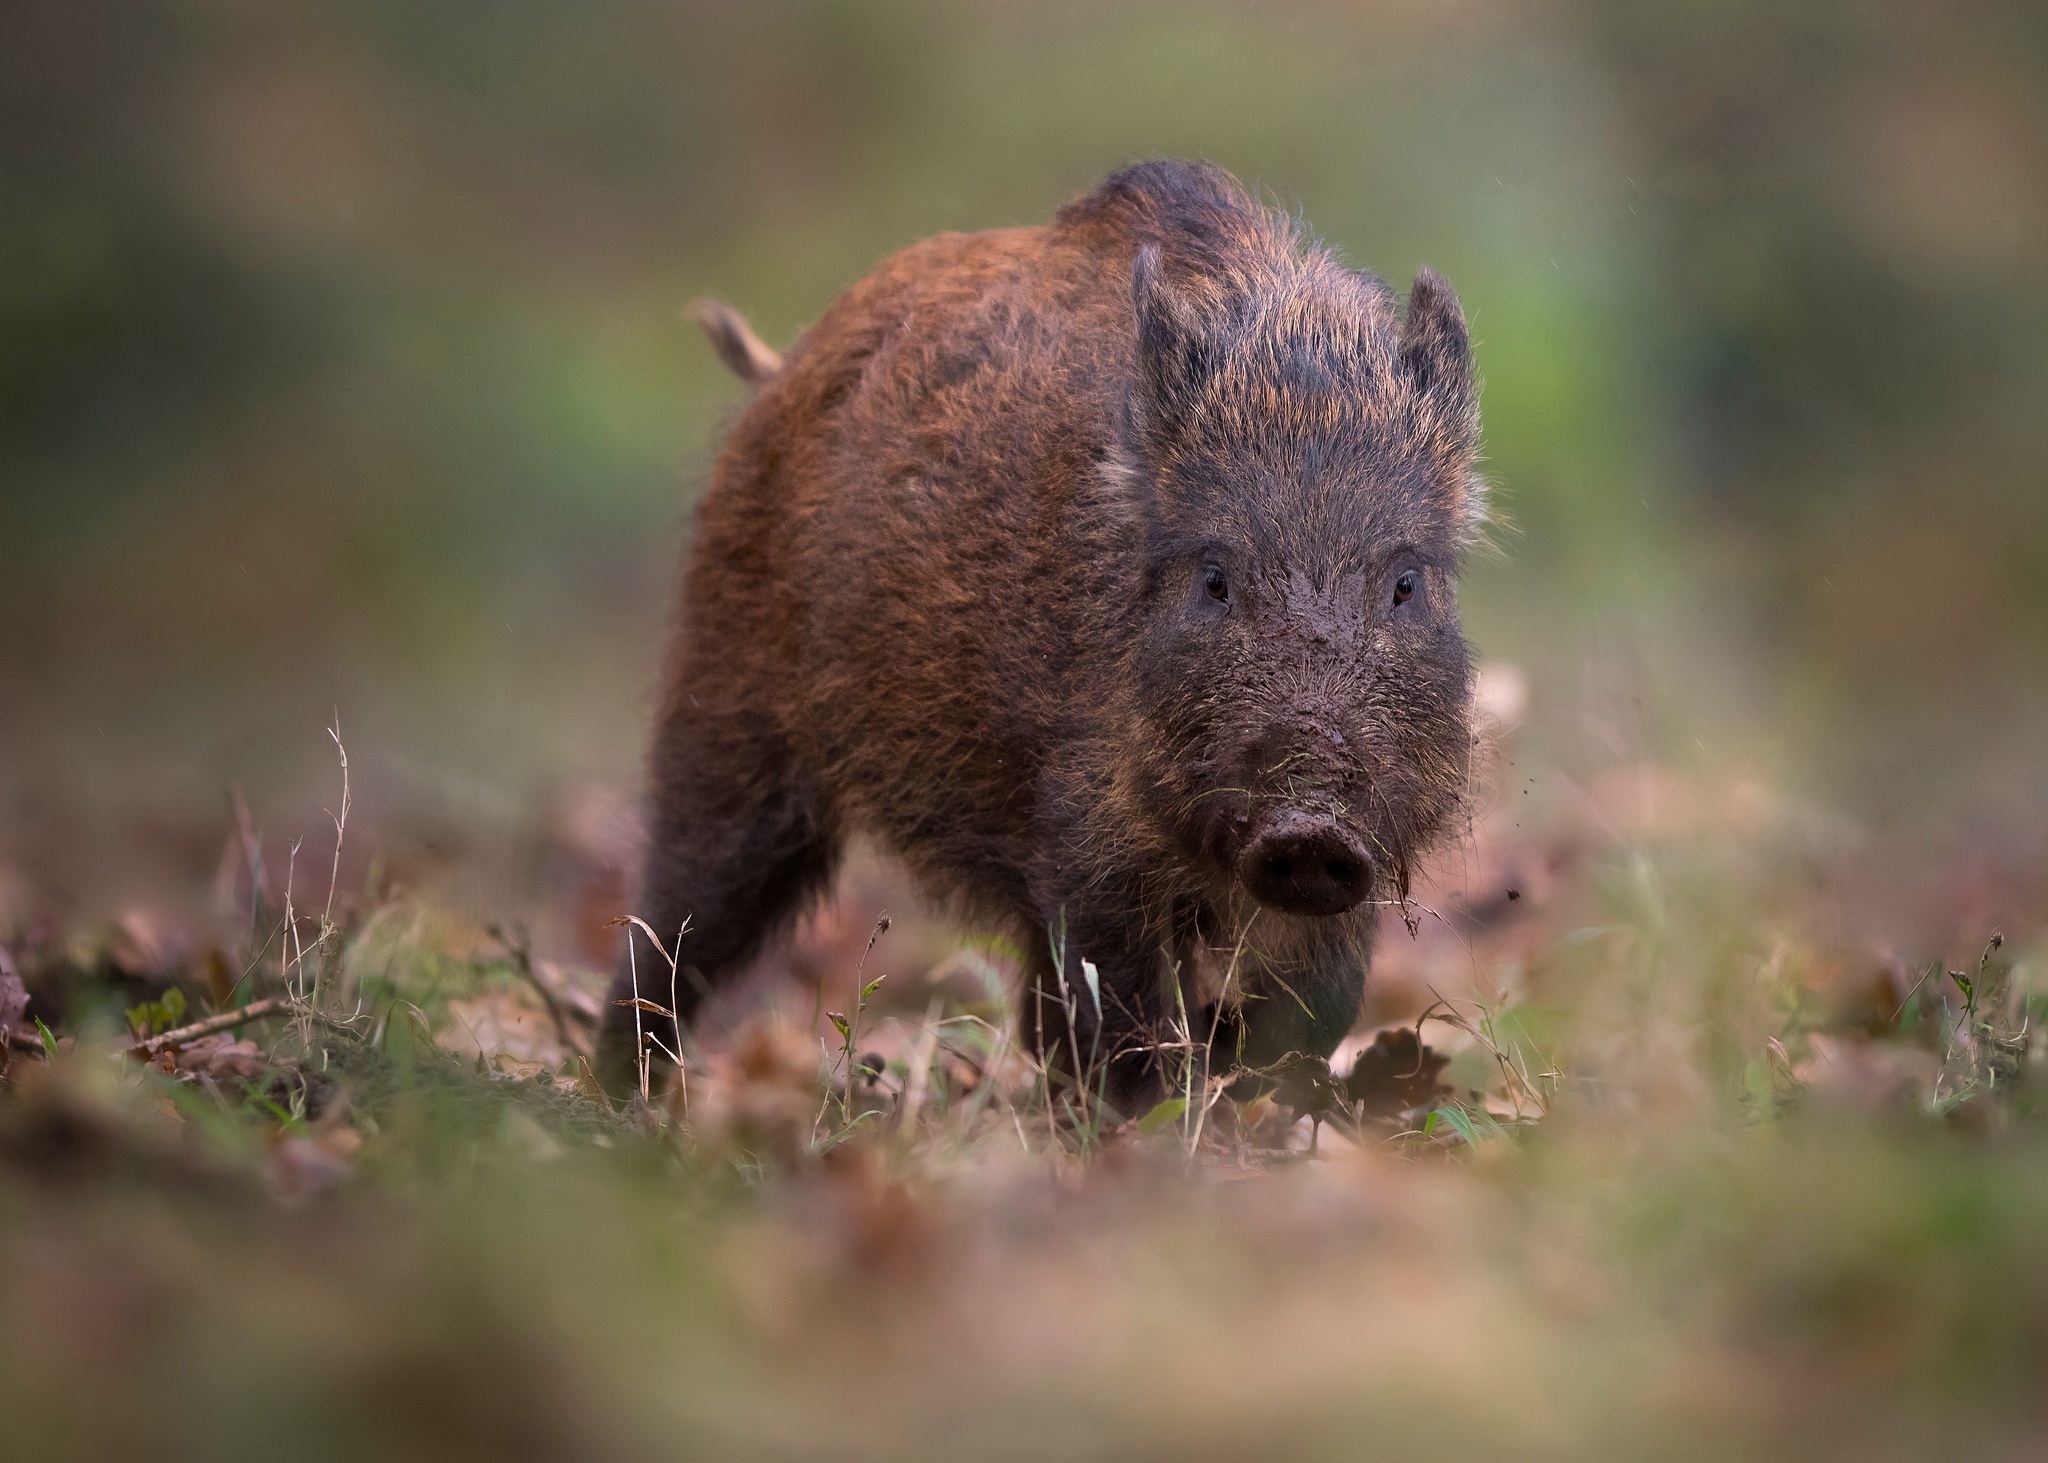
{"points": [[1308, 867]]}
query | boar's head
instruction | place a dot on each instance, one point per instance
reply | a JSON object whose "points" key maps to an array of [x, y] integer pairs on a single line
{"points": [[1302, 455]]}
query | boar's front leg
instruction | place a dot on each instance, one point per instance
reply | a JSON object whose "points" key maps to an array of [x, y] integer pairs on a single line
{"points": [[1302, 1006], [1124, 1054], [735, 849]]}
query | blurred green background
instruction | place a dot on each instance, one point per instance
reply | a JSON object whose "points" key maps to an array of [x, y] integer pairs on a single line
{"points": [[343, 366]]}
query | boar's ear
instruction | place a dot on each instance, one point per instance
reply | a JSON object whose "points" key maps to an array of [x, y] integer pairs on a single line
{"points": [[1436, 354], [1174, 352], [1435, 350]]}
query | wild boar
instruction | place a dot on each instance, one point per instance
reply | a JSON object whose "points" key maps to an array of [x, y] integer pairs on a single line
{"points": [[1105, 572]]}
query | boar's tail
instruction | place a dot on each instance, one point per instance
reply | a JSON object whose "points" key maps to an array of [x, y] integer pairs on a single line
{"points": [[744, 353]]}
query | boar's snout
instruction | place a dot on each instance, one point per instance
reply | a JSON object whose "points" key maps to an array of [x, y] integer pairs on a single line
{"points": [[1305, 863]]}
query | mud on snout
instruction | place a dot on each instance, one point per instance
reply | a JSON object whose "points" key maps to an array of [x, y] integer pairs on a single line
{"points": [[1305, 861]]}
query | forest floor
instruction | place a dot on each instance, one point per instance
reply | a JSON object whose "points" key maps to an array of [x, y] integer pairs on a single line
{"points": [[1637, 1155]]}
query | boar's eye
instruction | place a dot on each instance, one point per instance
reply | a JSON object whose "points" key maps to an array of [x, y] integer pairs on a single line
{"points": [[1217, 585], [1404, 587]]}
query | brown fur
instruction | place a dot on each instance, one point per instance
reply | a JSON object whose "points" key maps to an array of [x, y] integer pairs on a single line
{"points": [[1068, 562]]}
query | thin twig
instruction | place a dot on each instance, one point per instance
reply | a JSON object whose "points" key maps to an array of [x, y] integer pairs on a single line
{"points": [[223, 1021], [340, 821]]}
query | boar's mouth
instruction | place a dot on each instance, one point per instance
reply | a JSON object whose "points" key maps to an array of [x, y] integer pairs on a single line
{"points": [[1305, 863]]}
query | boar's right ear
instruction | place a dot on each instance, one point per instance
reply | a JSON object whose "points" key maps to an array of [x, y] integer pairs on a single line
{"points": [[1174, 351], [1436, 352]]}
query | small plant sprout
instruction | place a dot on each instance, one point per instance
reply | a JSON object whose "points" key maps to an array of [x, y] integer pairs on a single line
{"points": [[849, 1028]]}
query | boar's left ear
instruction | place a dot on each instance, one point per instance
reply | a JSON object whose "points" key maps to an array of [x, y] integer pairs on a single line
{"points": [[1435, 350]]}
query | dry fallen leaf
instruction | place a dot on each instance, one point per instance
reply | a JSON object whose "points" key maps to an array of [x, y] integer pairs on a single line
{"points": [[1396, 1074], [222, 1056], [502, 1023], [13, 1000]]}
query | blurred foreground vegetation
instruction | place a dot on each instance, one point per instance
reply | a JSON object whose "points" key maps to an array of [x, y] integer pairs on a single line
{"points": [[1677, 1172]]}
